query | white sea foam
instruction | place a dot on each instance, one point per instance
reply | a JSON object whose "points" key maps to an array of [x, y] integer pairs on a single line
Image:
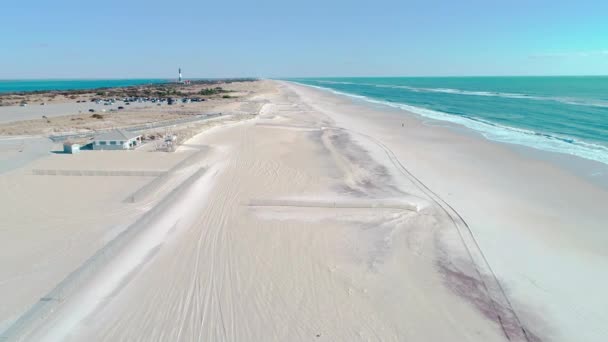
{"points": [[501, 133], [338, 82], [565, 100]]}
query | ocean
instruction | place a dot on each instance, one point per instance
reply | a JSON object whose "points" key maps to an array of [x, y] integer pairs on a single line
{"points": [[9, 86], [557, 114]]}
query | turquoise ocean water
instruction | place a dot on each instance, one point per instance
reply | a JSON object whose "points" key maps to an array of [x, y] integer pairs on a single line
{"points": [[8, 86], [557, 114]]}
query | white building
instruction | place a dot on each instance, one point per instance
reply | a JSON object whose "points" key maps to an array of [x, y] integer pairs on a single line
{"points": [[70, 147], [116, 140]]}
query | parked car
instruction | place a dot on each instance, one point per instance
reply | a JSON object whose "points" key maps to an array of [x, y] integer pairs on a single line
{"points": [[92, 110], [121, 107]]}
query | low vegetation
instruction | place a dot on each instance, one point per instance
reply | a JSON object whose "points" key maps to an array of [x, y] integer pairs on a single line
{"points": [[160, 90], [212, 91]]}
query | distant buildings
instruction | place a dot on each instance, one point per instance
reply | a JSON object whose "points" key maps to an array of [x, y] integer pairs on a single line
{"points": [[116, 140]]}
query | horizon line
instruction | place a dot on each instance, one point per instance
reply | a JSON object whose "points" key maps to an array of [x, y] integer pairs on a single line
{"points": [[284, 77]]}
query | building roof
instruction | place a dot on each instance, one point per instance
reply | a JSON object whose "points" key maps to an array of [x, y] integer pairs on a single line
{"points": [[117, 135]]}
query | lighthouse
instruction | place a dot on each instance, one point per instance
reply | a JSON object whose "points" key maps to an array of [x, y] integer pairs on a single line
{"points": [[180, 75]]}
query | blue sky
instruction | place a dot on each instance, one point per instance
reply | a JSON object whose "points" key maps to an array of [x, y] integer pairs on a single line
{"points": [[116, 39]]}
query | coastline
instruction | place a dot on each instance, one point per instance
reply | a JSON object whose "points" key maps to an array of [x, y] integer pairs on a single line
{"points": [[551, 129], [321, 211], [513, 197], [41, 86]]}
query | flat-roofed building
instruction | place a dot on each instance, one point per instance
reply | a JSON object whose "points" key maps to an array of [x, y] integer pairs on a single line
{"points": [[117, 139]]}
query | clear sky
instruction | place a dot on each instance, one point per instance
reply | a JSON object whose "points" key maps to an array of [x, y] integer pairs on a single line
{"points": [[141, 39]]}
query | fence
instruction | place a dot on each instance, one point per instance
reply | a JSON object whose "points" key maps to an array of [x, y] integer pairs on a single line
{"points": [[127, 173], [155, 184]]}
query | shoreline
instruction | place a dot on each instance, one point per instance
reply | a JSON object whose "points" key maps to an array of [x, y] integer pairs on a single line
{"points": [[322, 210], [71, 91], [492, 131], [497, 188]]}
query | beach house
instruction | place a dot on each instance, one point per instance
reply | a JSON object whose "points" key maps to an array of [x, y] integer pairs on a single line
{"points": [[117, 139]]}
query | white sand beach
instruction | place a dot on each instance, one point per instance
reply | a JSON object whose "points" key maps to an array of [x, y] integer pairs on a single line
{"points": [[322, 218]]}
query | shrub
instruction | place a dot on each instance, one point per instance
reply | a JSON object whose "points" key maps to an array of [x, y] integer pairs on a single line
{"points": [[211, 91]]}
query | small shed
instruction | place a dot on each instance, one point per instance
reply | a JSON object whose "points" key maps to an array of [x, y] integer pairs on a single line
{"points": [[70, 147], [117, 139]]}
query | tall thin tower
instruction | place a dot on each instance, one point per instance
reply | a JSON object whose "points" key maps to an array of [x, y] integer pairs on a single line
{"points": [[180, 75]]}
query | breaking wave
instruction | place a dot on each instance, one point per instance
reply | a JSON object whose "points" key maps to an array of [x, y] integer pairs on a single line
{"points": [[565, 100], [501, 133]]}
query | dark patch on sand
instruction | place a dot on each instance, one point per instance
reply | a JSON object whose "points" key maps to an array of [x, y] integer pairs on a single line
{"points": [[467, 285], [345, 189], [323, 152], [376, 181]]}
